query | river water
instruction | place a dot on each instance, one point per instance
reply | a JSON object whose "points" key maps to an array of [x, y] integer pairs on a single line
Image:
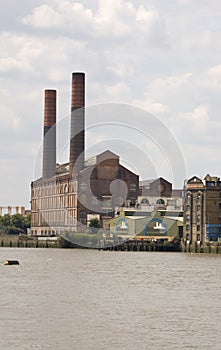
{"points": [[94, 300]]}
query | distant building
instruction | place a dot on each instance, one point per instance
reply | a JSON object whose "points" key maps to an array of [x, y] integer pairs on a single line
{"points": [[202, 210], [11, 210], [158, 194]]}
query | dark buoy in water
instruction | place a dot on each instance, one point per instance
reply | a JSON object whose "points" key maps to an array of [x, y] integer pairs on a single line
{"points": [[11, 262]]}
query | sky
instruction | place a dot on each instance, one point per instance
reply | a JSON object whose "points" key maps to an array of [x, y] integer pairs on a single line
{"points": [[163, 57]]}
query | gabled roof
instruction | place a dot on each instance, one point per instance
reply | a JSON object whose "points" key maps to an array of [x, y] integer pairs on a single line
{"points": [[106, 155], [147, 183], [195, 180]]}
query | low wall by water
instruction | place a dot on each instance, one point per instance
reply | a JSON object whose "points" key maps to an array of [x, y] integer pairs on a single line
{"points": [[130, 245], [26, 242], [209, 248]]}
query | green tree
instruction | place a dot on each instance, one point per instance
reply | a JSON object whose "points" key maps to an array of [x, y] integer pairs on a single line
{"points": [[18, 221], [28, 221], [6, 220], [94, 223]]}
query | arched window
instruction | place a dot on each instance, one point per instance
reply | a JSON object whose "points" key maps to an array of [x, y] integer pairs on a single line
{"points": [[160, 201], [198, 197], [188, 198], [144, 201]]}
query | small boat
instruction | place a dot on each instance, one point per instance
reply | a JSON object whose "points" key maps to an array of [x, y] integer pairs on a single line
{"points": [[11, 262]]}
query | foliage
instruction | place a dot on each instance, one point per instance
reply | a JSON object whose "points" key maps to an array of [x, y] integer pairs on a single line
{"points": [[6, 220], [14, 224], [94, 223], [18, 221]]}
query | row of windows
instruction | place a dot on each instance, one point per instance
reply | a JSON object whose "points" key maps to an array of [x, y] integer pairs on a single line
{"points": [[54, 202], [44, 232], [198, 207], [198, 227], [199, 198], [53, 190], [145, 201], [198, 217], [54, 218], [197, 237]]}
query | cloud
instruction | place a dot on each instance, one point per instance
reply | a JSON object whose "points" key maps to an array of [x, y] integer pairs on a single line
{"points": [[13, 64], [68, 15], [160, 56], [171, 82], [115, 19], [213, 77], [197, 120]]}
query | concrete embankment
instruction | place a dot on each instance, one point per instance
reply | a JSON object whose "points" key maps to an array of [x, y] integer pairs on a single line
{"points": [[208, 248], [27, 242], [129, 245]]}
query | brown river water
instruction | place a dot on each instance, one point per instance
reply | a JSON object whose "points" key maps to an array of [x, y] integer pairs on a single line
{"points": [[61, 299]]}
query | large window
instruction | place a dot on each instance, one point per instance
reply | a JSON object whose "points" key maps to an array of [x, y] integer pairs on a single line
{"points": [[160, 201], [188, 198], [144, 201], [210, 184], [107, 212], [83, 217], [133, 187]]}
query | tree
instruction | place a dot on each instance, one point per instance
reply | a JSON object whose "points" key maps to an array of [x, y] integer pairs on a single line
{"points": [[18, 221], [94, 223], [14, 224], [28, 221], [6, 220]]}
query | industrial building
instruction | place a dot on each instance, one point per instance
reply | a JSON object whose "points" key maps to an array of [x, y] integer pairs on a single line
{"points": [[68, 195], [158, 194], [158, 225], [202, 210]]}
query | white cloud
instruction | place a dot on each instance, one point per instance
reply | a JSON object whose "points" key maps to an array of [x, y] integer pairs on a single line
{"points": [[43, 16], [171, 82], [113, 19], [213, 77], [161, 56], [11, 64], [153, 107], [197, 120], [118, 93]]}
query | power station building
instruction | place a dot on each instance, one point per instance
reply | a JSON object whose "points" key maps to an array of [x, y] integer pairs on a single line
{"points": [[68, 195]]}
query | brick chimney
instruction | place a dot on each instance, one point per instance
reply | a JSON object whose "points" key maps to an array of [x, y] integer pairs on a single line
{"points": [[77, 143], [49, 145]]}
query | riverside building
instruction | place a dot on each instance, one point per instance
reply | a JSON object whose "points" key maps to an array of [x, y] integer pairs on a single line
{"points": [[202, 210], [68, 195]]}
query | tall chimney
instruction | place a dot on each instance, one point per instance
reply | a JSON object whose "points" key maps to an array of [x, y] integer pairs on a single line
{"points": [[49, 146], [77, 123]]}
